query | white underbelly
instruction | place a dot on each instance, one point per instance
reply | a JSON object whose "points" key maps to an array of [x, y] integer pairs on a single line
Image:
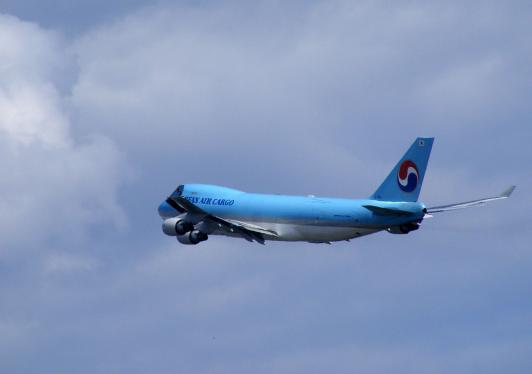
{"points": [[313, 233]]}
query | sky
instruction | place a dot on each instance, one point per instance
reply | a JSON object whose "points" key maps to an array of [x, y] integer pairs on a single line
{"points": [[106, 107]]}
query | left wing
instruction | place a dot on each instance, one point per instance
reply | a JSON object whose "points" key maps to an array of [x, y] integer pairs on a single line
{"points": [[467, 204], [246, 230]]}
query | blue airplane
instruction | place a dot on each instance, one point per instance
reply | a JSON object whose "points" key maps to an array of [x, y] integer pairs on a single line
{"points": [[195, 211]]}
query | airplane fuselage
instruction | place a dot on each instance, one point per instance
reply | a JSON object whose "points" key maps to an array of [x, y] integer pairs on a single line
{"points": [[296, 218]]}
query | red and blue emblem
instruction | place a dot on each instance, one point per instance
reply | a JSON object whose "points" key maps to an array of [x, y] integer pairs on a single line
{"points": [[408, 176]]}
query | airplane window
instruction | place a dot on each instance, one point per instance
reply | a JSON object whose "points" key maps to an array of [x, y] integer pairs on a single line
{"points": [[179, 190]]}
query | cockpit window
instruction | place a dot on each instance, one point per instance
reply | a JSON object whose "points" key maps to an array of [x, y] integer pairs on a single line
{"points": [[179, 190]]}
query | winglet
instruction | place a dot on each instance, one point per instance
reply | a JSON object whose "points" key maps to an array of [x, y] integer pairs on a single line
{"points": [[508, 192]]}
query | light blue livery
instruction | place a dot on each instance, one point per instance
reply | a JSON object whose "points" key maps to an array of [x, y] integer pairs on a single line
{"points": [[193, 212]]}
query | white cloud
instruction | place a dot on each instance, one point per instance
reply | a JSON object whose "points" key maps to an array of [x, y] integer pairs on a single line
{"points": [[52, 187], [317, 97], [69, 263]]}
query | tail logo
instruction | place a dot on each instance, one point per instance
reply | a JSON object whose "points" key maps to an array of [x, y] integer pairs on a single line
{"points": [[408, 176]]}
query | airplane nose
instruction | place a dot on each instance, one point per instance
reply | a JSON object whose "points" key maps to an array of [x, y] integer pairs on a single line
{"points": [[164, 209]]}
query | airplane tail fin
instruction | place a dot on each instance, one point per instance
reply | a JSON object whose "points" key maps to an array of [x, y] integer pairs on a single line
{"points": [[405, 180]]}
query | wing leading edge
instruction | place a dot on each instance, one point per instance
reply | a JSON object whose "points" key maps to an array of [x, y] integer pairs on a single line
{"points": [[467, 204], [245, 230]]}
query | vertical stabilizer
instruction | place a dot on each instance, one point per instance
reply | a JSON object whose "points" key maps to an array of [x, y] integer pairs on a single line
{"points": [[405, 180]]}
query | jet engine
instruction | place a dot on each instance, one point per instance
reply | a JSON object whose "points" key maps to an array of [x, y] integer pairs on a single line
{"points": [[192, 237], [405, 228], [175, 226]]}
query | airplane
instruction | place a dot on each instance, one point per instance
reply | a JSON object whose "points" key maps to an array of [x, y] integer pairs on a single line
{"points": [[193, 212]]}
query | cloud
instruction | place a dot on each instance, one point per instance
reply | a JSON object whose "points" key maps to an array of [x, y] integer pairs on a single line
{"points": [[53, 187], [310, 97], [63, 262]]}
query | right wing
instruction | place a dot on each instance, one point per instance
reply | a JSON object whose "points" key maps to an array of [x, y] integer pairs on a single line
{"points": [[467, 204]]}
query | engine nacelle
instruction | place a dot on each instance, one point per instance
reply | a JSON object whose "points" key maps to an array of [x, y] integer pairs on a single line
{"points": [[192, 237], [405, 228], [175, 226]]}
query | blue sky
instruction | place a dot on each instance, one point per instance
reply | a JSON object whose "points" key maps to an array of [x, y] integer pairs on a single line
{"points": [[104, 109]]}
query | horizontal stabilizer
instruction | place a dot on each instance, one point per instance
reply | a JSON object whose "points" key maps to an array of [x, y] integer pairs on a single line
{"points": [[468, 204], [387, 211]]}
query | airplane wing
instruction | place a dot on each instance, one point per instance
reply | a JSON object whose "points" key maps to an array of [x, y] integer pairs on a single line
{"points": [[248, 231], [467, 204]]}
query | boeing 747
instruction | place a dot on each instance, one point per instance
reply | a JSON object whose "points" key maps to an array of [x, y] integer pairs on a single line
{"points": [[193, 212]]}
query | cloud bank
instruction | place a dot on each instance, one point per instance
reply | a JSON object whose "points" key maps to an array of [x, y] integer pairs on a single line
{"points": [[98, 126], [53, 186]]}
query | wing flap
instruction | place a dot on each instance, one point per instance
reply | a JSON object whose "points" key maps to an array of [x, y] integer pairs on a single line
{"points": [[252, 227]]}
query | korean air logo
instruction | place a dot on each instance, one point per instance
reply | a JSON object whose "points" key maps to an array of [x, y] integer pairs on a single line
{"points": [[408, 176]]}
